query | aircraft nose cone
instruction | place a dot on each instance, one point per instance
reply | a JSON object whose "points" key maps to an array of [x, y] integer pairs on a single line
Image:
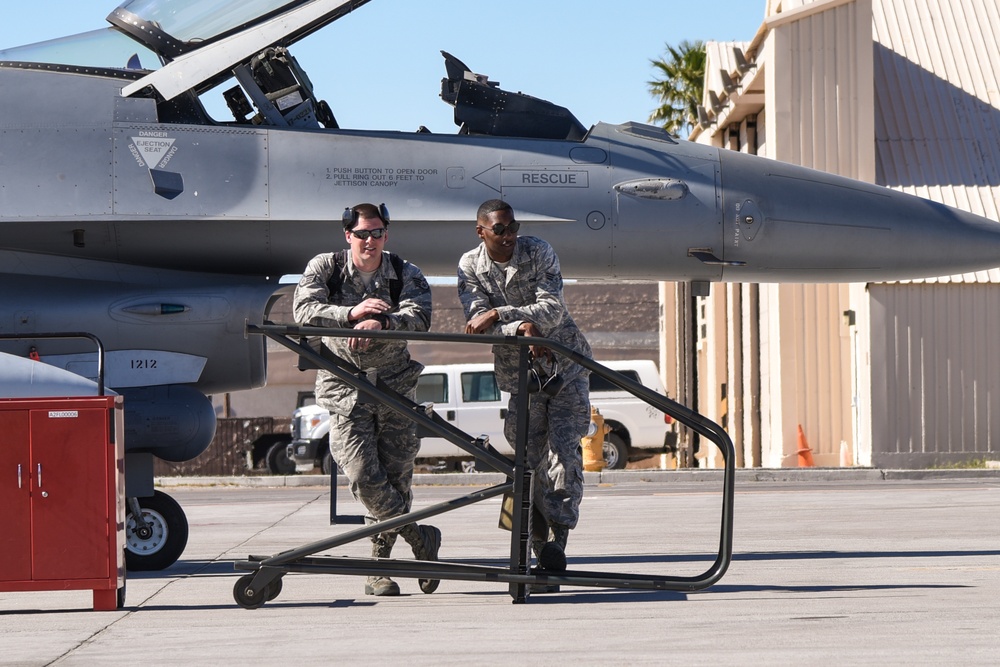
{"points": [[797, 224], [947, 240]]}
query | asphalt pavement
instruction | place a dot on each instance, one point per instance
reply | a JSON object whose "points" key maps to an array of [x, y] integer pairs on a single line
{"points": [[830, 567]]}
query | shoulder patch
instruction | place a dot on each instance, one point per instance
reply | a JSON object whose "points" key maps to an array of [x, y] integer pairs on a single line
{"points": [[421, 282]]}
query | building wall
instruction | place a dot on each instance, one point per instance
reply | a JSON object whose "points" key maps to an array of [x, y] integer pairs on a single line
{"points": [[733, 416], [937, 394], [820, 99], [816, 66], [938, 101], [819, 87], [934, 357], [713, 364], [863, 361], [668, 351], [748, 317], [805, 372]]}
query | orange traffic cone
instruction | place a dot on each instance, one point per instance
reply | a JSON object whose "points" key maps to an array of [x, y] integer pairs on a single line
{"points": [[805, 454]]}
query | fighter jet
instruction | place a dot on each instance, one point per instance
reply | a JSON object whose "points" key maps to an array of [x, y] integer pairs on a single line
{"points": [[129, 212]]}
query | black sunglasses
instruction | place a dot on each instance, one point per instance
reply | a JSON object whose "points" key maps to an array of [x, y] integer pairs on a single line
{"points": [[500, 230], [363, 234]]}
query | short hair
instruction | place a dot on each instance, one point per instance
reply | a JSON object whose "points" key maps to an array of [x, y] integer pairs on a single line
{"points": [[355, 213], [492, 206]]}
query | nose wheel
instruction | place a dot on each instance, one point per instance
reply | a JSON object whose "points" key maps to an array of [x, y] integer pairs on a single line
{"points": [[156, 532]]}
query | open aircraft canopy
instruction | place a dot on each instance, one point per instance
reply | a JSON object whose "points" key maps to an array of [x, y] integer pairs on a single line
{"points": [[106, 48], [201, 40], [174, 27]]}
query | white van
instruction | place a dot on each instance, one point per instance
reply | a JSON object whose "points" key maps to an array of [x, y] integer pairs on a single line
{"points": [[467, 396]]}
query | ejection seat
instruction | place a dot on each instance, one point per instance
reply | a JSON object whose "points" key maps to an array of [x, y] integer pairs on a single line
{"points": [[280, 90]]}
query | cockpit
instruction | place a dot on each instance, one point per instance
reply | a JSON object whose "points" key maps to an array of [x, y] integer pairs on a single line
{"points": [[187, 54]]}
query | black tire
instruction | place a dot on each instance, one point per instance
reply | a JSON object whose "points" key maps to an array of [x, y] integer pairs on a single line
{"points": [[168, 537], [615, 452], [273, 589], [241, 593], [277, 460], [120, 597], [327, 463]]}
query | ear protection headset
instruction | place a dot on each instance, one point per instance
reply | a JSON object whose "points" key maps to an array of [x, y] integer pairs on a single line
{"points": [[351, 216], [550, 383]]}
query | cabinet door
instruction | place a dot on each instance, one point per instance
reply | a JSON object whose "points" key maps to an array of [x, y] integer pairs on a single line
{"points": [[69, 496], [15, 496]]}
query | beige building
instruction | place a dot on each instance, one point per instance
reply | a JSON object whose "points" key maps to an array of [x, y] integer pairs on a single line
{"points": [[904, 93]]}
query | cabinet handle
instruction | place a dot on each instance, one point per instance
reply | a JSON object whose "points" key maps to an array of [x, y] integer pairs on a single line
{"points": [[39, 475], [19, 475]]}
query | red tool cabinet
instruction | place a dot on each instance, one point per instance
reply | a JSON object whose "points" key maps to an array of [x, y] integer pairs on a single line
{"points": [[62, 495]]}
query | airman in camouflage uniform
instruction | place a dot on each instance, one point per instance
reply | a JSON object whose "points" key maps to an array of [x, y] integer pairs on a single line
{"points": [[512, 285], [374, 446]]}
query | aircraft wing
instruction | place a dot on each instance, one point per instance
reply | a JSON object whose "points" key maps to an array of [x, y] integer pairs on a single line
{"points": [[21, 377]]}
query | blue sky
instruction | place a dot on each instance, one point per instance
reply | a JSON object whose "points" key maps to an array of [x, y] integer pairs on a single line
{"points": [[380, 67]]}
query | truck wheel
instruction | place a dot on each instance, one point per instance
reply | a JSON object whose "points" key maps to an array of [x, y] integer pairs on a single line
{"points": [[277, 459], [327, 466], [615, 452]]}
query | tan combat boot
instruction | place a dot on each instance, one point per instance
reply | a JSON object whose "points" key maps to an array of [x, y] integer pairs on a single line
{"points": [[383, 586], [425, 542], [553, 555]]}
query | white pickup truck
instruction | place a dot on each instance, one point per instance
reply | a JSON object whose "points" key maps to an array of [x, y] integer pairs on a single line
{"points": [[467, 396]]}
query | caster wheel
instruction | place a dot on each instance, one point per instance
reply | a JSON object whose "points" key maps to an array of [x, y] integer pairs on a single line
{"points": [[246, 596], [273, 589]]}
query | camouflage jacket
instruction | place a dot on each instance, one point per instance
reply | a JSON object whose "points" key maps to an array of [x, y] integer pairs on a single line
{"points": [[313, 304], [530, 289]]}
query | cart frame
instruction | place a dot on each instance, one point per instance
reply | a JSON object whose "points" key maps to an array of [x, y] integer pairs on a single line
{"points": [[264, 581]]}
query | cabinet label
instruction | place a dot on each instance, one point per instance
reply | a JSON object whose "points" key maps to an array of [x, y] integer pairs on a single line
{"points": [[63, 414]]}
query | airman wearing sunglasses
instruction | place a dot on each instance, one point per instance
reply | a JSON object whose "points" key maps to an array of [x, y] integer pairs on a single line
{"points": [[511, 285], [367, 288]]}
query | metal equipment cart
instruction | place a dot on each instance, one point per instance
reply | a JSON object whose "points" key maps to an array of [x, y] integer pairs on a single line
{"points": [[264, 582]]}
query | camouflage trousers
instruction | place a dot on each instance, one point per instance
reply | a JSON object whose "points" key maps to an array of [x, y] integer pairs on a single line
{"points": [[555, 426], [375, 447]]}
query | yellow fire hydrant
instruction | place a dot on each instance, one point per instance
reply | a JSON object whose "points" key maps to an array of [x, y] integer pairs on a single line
{"points": [[593, 442]]}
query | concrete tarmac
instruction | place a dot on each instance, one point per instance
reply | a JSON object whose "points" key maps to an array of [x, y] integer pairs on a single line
{"points": [[836, 568]]}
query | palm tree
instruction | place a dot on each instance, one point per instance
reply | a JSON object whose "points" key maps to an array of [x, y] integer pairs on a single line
{"points": [[679, 86]]}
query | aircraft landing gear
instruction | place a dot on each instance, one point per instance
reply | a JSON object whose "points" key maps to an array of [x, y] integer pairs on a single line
{"points": [[156, 532]]}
